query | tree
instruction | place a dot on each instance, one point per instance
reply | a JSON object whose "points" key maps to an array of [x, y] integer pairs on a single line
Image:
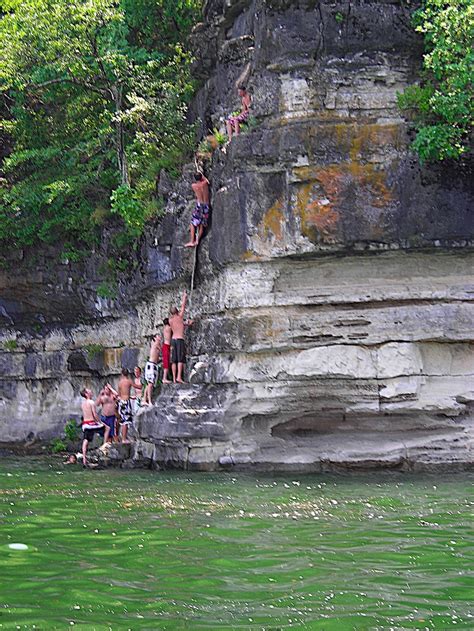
{"points": [[443, 105], [96, 104]]}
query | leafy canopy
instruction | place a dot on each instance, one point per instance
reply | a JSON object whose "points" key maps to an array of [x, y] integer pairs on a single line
{"points": [[443, 105], [93, 98]]}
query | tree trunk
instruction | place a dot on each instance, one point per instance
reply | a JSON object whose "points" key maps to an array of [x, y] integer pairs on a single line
{"points": [[120, 140]]}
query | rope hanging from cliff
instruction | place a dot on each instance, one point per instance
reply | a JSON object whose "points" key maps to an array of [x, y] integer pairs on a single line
{"points": [[190, 300]]}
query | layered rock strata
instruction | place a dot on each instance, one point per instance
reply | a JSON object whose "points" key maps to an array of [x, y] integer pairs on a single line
{"points": [[334, 290]]}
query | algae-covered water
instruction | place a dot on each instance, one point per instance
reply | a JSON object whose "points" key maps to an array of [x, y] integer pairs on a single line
{"points": [[142, 550]]}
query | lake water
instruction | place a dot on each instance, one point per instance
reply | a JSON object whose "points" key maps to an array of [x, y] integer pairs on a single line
{"points": [[118, 549]]}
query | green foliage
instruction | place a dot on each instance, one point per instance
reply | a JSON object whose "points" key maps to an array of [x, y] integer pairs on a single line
{"points": [[339, 17], [220, 137], [442, 107], [10, 345], [107, 290], [57, 446], [93, 350], [93, 99], [71, 430]]}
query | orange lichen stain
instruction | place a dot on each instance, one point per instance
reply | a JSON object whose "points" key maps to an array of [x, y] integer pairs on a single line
{"points": [[112, 357], [272, 222], [248, 255]]}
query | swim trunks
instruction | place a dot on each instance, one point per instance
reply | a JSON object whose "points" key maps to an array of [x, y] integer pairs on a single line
{"points": [[88, 432], [125, 412], [110, 422], [178, 351], [200, 215], [241, 118], [151, 372], [165, 355]]}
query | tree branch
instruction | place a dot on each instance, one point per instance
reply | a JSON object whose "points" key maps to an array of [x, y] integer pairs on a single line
{"points": [[83, 84]]}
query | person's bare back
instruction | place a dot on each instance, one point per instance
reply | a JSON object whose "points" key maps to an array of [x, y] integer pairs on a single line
{"points": [[201, 190], [88, 410], [167, 334], [124, 386], [155, 349]]}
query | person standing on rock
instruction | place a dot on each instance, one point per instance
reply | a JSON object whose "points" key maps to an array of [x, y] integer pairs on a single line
{"points": [[233, 122], [107, 400], [200, 216], [136, 396], [178, 351], [124, 388], [91, 423], [166, 349], [151, 368]]}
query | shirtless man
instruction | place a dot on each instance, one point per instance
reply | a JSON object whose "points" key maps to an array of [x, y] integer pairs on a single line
{"points": [[107, 400], [200, 216], [151, 368], [166, 349], [233, 122], [136, 396], [90, 422], [178, 351], [124, 387]]}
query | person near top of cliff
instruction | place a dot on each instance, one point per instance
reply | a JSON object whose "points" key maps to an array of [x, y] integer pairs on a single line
{"points": [[124, 388], [107, 401], [178, 351], [136, 395], [200, 216], [166, 349], [91, 423], [233, 122], [151, 368]]}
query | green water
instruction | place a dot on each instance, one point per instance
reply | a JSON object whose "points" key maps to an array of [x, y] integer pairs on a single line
{"points": [[142, 550]]}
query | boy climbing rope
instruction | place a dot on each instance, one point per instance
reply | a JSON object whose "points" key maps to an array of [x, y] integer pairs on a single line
{"points": [[200, 217], [233, 122]]}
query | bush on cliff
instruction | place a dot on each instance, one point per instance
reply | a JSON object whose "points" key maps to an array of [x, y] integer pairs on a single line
{"points": [[93, 98], [443, 105]]}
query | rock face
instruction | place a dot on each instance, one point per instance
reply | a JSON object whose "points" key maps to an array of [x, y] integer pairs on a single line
{"points": [[334, 290]]}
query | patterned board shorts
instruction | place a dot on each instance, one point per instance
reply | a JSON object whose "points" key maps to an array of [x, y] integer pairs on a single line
{"points": [[151, 372], [200, 215], [241, 118], [125, 412]]}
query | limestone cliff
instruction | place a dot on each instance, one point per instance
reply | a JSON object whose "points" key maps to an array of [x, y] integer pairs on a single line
{"points": [[334, 290]]}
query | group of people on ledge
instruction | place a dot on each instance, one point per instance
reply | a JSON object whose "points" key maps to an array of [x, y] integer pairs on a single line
{"points": [[119, 406], [200, 186], [115, 408]]}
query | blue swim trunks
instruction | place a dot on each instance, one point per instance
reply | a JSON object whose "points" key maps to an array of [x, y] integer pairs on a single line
{"points": [[110, 422]]}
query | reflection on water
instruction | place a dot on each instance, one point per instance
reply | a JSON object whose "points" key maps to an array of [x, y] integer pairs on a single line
{"points": [[143, 550]]}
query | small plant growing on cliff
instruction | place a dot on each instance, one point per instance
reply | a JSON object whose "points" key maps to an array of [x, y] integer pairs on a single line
{"points": [[220, 137], [339, 17], [57, 446], [93, 350], [11, 345], [106, 290], [71, 430], [442, 107]]}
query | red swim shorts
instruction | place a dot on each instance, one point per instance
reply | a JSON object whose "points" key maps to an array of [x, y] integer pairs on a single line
{"points": [[165, 355]]}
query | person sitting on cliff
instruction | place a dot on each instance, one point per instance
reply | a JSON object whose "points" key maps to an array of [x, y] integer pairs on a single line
{"points": [[166, 349], [233, 122], [151, 368], [91, 423], [107, 400], [178, 351], [124, 387], [200, 216]]}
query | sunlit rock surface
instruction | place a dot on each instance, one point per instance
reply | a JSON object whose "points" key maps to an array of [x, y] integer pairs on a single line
{"points": [[334, 292]]}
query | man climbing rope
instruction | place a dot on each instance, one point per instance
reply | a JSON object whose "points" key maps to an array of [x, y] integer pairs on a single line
{"points": [[178, 351], [200, 216], [233, 122]]}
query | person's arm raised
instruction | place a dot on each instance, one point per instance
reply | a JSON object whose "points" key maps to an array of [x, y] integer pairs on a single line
{"points": [[183, 303]]}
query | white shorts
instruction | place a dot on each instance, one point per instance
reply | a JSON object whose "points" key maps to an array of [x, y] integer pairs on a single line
{"points": [[151, 372]]}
